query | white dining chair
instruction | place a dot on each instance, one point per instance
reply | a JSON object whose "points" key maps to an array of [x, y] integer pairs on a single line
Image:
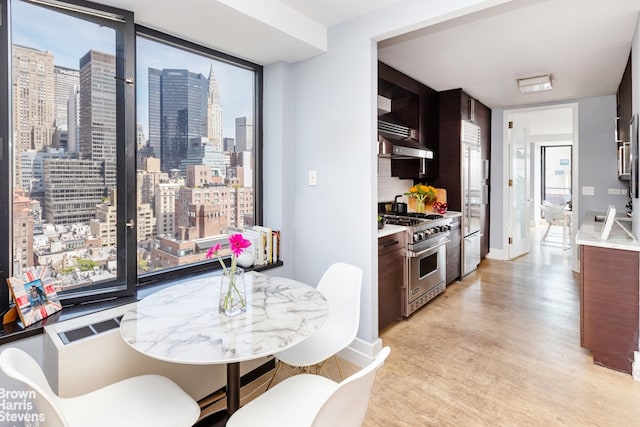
{"points": [[145, 400], [556, 215], [340, 285], [308, 400]]}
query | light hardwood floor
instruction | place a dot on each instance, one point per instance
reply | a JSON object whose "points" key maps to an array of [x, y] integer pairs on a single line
{"points": [[499, 348]]}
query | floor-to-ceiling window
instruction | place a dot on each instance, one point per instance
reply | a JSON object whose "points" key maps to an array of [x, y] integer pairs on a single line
{"points": [[125, 152]]}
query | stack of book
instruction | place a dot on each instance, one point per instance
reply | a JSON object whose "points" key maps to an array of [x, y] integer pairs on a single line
{"points": [[266, 244]]}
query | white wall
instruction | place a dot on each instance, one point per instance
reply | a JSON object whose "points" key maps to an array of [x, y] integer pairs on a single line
{"points": [[333, 122], [278, 185]]}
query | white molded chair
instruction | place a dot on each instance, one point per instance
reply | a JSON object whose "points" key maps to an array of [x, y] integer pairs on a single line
{"points": [[312, 401], [340, 285], [557, 215], [145, 400]]}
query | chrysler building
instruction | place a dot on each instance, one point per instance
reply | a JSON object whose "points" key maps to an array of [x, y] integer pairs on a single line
{"points": [[214, 112]]}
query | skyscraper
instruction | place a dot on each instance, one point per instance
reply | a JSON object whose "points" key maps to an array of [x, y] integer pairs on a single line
{"points": [[214, 112], [183, 109], [154, 77], [64, 79], [33, 101], [98, 106], [73, 117], [244, 134]]}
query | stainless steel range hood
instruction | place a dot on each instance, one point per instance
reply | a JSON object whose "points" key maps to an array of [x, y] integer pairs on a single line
{"points": [[398, 141], [402, 149]]}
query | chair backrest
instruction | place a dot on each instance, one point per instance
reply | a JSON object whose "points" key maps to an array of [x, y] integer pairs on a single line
{"points": [[552, 212], [341, 285], [347, 406], [20, 366]]}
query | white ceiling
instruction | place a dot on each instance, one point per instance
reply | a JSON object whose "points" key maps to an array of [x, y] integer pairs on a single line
{"points": [[333, 12], [584, 44]]}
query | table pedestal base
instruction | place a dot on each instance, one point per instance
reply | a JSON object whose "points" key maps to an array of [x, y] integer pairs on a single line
{"points": [[219, 419]]}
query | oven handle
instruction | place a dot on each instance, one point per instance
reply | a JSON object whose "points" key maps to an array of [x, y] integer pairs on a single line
{"points": [[430, 248]]}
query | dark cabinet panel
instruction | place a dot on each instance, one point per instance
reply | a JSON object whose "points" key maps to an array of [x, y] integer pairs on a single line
{"points": [[390, 278], [453, 251], [483, 119], [609, 305], [624, 107], [416, 106]]}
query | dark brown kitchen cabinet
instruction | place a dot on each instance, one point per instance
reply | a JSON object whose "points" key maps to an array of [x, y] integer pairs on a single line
{"points": [[390, 278], [624, 109], [454, 106], [416, 106], [609, 305], [453, 251]]}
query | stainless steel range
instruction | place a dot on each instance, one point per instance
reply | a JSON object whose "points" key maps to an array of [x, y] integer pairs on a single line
{"points": [[426, 257]]}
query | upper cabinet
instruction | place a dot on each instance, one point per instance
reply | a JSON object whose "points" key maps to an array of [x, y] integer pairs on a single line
{"points": [[415, 106], [624, 111], [623, 106]]}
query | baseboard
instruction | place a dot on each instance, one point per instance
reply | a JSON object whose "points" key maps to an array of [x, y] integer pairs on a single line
{"points": [[497, 254], [360, 352], [635, 366]]}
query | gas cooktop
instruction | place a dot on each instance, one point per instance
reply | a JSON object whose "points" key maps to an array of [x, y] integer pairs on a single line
{"points": [[410, 218]]}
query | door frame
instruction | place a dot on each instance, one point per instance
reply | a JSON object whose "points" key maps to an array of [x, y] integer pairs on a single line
{"points": [[506, 160]]}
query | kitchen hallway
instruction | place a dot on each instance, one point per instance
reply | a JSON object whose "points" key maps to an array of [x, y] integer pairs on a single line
{"points": [[501, 348]]}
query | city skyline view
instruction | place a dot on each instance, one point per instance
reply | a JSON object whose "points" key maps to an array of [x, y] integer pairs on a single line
{"points": [[194, 157], [235, 85]]}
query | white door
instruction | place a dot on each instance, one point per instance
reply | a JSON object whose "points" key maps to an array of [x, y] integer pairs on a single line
{"points": [[519, 236]]}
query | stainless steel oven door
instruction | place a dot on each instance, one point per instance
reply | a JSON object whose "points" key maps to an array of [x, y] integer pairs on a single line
{"points": [[426, 276]]}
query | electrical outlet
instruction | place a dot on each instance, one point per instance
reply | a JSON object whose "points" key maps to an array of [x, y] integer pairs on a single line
{"points": [[615, 191], [623, 191]]}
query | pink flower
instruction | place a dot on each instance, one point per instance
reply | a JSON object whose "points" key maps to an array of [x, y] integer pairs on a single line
{"points": [[213, 251], [237, 244]]}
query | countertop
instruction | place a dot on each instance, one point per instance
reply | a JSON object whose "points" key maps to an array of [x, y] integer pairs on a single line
{"points": [[390, 229], [589, 233]]}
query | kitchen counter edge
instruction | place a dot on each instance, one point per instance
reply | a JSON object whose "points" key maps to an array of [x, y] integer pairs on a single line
{"points": [[390, 229], [589, 234]]}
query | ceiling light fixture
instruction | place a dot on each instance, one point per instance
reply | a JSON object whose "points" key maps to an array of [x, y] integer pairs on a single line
{"points": [[535, 84]]}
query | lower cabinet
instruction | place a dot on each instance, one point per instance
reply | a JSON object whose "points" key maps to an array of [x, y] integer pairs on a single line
{"points": [[390, 278], [609, 305], [453, 251]]}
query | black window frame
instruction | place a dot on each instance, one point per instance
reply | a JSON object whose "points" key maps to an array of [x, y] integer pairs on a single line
{"points": [[128, 281], [165, 38]]}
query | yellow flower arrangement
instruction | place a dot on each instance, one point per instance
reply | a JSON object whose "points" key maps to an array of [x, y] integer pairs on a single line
{"points": [[422, 193]]}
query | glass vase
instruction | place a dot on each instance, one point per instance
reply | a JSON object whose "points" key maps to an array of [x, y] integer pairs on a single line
{"points": [[419, 206], [233, 295]]}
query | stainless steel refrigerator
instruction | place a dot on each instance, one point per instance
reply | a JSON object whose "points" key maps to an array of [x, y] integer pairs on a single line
{"points": [[472, 187]]}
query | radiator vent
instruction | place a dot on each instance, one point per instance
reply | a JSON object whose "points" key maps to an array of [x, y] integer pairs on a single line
{"points": [[72, 335]]}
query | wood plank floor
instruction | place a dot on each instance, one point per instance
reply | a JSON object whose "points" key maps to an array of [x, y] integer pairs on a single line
{"points": [[499, 348]]}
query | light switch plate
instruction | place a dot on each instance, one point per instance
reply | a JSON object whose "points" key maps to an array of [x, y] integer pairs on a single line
{"points": [[588, 191], [313, 177]]}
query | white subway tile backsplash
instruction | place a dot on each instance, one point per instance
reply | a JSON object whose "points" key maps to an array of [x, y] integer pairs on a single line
{"points": [[389, 186]]}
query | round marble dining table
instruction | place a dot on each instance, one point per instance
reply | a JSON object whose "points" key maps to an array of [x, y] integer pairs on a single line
{"points": [[182, 323]]}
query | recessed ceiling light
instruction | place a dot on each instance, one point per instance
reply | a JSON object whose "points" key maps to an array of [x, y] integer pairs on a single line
{"points": [[535, 84]]}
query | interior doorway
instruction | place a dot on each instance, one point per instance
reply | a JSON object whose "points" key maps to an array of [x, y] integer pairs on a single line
{"points": [[532, 137]]}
